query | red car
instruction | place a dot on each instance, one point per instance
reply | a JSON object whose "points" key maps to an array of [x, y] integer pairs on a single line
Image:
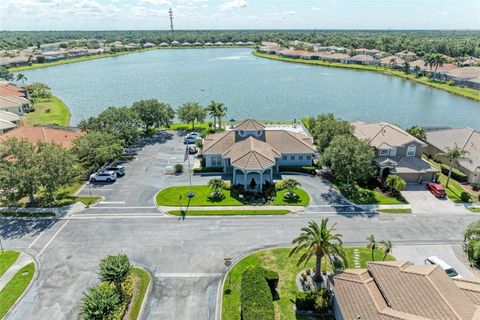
{"points": [[436, 189]]}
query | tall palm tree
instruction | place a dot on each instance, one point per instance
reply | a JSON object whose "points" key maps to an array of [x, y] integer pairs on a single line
{"points": [[393, 62], [372, 245], [212, 112], [21, 77], [319, 241], [439, 60], [222, 112], [417, 70], [386, 247], [454, 156]]}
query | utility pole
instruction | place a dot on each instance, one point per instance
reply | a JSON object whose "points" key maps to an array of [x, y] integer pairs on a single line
{"points": [[170, 13]]}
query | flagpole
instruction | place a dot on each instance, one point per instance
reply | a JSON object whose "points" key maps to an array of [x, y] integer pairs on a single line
{"points": [[187, 155]]}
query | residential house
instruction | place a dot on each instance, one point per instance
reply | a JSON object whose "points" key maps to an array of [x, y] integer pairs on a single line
{"points": [[271, 48], [465, 77], [13, 104], [59, 135], [8, 121], [407, 55], [369, 52], [186, 44], [219, 43], [229, 43], [164, 44], [148, 45], [175, 43], [253, 152], [467, 139], [6, 126], [361, 59], [392, 61], [397, 151], [208, 44], [400, 290], [197, 44], [336, 57]]}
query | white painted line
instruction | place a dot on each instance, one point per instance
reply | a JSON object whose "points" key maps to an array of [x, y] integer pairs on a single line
{"points": [[40, 235], [54, 236], [112, 202], [97, 208], [329, 205], [187, 275]]}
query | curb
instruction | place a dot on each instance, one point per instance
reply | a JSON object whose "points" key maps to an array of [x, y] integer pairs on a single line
{"points": [[141, 313]]}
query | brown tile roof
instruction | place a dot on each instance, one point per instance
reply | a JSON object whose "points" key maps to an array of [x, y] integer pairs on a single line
{"points": [[252, 154], [11, 90], [387, 60], [362, 58], [383, 134], [64, 137], [401, 290], [465, 73], [250, 125]]}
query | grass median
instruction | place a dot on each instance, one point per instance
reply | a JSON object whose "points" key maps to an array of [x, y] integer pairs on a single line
{"points": [[227, 212], [15, 287], [7, 259], [142, 279], [399, 211]]}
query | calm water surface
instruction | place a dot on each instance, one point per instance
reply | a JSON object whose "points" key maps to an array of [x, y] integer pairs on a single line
{"points": [[251, 87]]}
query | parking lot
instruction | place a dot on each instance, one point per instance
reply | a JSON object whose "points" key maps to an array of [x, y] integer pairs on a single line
{"points": [[423, 201]]}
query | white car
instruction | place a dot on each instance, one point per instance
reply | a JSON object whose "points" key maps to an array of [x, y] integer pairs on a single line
{"points": [[189, 139], [104, 176], [449, 270]]}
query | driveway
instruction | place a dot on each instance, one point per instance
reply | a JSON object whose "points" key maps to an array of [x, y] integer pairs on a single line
{"points": [[423, 201]]}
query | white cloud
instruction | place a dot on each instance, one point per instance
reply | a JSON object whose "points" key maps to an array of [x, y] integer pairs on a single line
{"points": [[315, 8], [234, 4], [156, 2]]}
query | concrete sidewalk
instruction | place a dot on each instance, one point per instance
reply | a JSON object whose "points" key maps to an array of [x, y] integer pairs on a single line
{"points": [[59, 211], [22, 260], [165, 209]]}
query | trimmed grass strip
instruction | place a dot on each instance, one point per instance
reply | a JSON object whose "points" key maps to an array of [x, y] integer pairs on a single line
{"points": [[228, 212], [142, 278], [474, 210], [7, 259], [396, 210], [15, 287]]}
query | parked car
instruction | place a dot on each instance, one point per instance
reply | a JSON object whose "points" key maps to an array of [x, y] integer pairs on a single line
{"points": [[117, 168], [449, 270], [436, 189], [189, 139], [194, 134], [104, 176], [192, 149]]}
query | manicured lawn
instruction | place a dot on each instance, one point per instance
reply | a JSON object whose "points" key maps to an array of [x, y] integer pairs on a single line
{"points": [[454, 189], [474, 209], [142, 278], [228, 212], [14, 289], [396, 210], [276, 260], [7, 258], [52, 111], [88, 200], [171, 197], [361, 195]]}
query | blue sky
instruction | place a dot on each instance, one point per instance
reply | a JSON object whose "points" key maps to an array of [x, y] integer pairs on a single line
{"points": [[238, 14]]}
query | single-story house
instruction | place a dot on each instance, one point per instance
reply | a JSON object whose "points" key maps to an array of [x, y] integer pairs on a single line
{"points": [[186, 43], [208, 44], [8, 89], [6, 126], [466, 138], [8, 121], [392, 61], [219, 43], [148, 45], [361, 59], [253, 152], [400, 290], [336, 57], [164, 44], [175, 43], [58, 135], [407, 55], [397, 151], [17, 105], [465, 77]]}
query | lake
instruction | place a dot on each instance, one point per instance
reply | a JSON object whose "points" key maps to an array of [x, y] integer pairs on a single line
{"points": [[251, 87]]}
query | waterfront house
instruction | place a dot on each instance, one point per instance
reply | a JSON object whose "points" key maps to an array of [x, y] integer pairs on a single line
{"points": [[240, 43], [164, 44], [369, 52], [362, 59], [186, 44], [10, 117], [6, 126], [400, 290], [219, 43], [14, 104], [293, 54], [397, 152], [229, 43], [253, 152], [197, 44], [336, 57], [271, 48], [465, 77], [148, 45], [407, 55], [59, 135], [208, 44], [392, 61], [250, 43], [175, 43], [467, 139]]}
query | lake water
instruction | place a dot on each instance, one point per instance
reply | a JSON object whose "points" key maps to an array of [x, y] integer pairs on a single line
{"points": [[251, 87]]}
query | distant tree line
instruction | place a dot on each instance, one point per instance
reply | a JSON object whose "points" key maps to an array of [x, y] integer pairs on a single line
{"points": [[452, 43]]}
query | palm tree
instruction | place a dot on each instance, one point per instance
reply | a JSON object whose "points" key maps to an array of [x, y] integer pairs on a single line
{"points": [[406, 67], [217, 186], [291, 185], [212, 112], [319, 241], [439, 60], [454, 156], [386, 247], [21, 77], [395, 182], [417, 70], [222, 112], [115, 269], [372, 245]]}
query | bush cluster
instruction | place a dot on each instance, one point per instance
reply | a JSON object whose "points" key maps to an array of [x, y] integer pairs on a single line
{"points": [[319, 300], [304, 169], [456, 174], [256, 294], [465, 196], [206, 170]]}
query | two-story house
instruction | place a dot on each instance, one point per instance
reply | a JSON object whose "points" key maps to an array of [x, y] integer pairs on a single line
{"points": [[397, 151], [253, 152]]}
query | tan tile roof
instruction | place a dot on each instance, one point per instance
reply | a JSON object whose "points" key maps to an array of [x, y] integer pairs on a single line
{"points": [[465, 73], [337, 56], [63, 137], [218, 143], [8, 102], [6, 125], [252, 154], [387, 60], [466, 138], [362, 58], [401, 290], [382, 133], [250, 125]]}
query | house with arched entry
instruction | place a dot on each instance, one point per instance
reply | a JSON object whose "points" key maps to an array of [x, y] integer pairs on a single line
{"points": [[397, 151], [253, 152]]}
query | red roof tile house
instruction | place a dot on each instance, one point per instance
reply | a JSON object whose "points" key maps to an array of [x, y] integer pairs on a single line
{"points": [[64, 137], [400, 290]]}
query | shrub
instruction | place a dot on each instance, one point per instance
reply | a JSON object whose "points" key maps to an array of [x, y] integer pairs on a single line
{"points": [[178, 168], [475, 186], [280, 185], [319, 300], [304, 169], [465, 196], [456, 174], [48, 110], [256, 296], [451, 83], [99, 303], [206, 170]]}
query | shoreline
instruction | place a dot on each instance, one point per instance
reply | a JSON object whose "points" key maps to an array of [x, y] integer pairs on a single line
{"points": [[109, 55], [58, 115], [458, 91]]}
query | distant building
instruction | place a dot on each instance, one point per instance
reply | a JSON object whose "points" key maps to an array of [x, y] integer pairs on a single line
{"points": [[148, 45], [407, 55], [61, 136], [361, 59], [392, 61]]}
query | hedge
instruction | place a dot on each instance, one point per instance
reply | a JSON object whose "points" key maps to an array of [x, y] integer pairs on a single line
{"points": [[305, 169], [456, 174], [256, 294], [206, 170]]}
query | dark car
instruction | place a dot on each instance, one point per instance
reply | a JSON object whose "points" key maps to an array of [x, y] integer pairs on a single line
{"points": [[436, 189]]}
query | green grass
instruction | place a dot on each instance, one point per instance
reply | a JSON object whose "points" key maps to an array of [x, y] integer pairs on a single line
{"points": [[51, 111], [464, 92], [276, 260], [228, 212], [24, 214], [361, 196], [171, 197], [88, 201], [142, 278], [396, 210], [15, 287], [7, 258], [474, 209], [454, 189]]}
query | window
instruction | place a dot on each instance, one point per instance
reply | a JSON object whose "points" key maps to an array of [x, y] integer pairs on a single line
{"points": [[309, 157], [292, 157], [411, 151], [300, 157], [216, 161], [383, 152], [284, 157]]}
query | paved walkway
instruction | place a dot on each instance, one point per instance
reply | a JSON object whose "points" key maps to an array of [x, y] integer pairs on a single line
{"points": [[22, 260], [233, 208]]}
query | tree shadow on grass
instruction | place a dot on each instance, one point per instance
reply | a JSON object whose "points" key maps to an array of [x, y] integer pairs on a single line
{"points": [[216, 198], [291, 198]]}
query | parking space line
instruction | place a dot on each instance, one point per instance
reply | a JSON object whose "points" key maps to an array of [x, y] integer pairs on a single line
{"points": [[40, 235], [112, 202], [187, 275], [98, 207], [53, 238]]}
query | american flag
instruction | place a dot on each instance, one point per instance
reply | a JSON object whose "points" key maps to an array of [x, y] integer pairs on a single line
{"points": [[185, 157]]}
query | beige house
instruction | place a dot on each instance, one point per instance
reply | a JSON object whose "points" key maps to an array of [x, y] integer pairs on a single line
{"points": [[466, 138], [8, 121], [17, 105], [397, 151], [253, 152], [392, 61], [400, 290], [361, 59]]}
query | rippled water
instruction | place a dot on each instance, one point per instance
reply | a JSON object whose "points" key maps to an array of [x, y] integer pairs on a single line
{"points": [[251, 87]]}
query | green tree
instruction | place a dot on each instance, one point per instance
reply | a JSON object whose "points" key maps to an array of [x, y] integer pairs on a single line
{"points": [[99, 303], [319, 241], [221, 113], [291, 185], [395, 182], [325, 127], [418, 132], [372, 245], [5, 74], [454, 155], [217, 186], [21, 77], [417, 70], [115, 269], [406, 67], [472, 241], [192, 112], [212, 109], [154, 113], [97, 147], [386, 248], [350, 159]]}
